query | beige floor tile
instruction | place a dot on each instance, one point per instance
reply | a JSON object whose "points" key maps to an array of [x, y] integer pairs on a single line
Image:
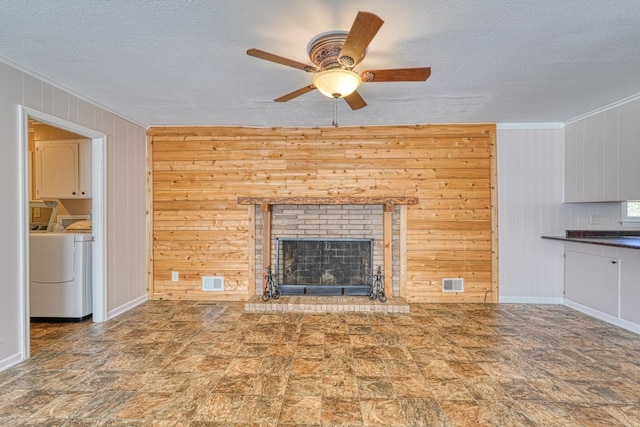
{"points": [[466, 414], [382, 412], [142, 405], [304, 385], [548, 414], [340, 386], [217, 406], [341, 412], [594, 416], [375, 387], [301, 410]]}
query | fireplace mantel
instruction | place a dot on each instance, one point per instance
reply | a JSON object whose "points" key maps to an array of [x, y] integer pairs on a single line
{"points": [[327, 200]]}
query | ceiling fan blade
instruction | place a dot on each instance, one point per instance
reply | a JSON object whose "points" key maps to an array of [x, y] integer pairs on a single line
{"points": [[355, 101], [363, 30], [295, 93], [281, 60], [397, 75]]}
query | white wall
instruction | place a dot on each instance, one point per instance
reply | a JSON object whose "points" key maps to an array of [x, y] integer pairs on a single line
{"points": [[578, 214], [530, 191], [126, 197]]}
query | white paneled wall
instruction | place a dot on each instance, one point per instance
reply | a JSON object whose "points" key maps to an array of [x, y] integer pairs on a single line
{"points": [[126, 197], [577, 216], [10, 291], [530, 188]]}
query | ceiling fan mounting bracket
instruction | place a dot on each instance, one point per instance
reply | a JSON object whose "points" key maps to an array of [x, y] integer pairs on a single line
{"points": [[324, 49]]}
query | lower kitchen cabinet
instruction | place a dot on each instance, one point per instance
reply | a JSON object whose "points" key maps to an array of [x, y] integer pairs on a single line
{"points": [[630, 285], [593, 281], [604, 279]]}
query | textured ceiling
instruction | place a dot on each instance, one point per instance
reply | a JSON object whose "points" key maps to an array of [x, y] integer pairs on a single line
{"points": [[183, 62]]}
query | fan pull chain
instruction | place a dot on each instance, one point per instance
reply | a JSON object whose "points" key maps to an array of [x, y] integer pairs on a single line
{"points": [[335, 112]]}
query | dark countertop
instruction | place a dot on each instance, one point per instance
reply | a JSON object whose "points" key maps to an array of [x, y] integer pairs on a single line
{"points": [[620, 239]]}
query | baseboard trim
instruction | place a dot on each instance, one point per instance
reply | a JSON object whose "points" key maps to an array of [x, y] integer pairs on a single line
{"points": [[529, 300], [624, 324], [10, 361], [530, 126], [126, 307]]}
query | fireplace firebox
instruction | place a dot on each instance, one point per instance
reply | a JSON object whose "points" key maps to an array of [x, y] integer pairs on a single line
{"points": [[324, 266]]}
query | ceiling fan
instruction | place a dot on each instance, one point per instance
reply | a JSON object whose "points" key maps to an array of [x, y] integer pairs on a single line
{"points": [[335, 54]]}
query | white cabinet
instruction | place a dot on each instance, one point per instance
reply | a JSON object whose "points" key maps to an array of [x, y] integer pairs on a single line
{"points": [[630, 285], [63, 169], [84, 169], [601, 156], [629, 145], [610, 151], [604, 281], [593, 281], [591, 158]]}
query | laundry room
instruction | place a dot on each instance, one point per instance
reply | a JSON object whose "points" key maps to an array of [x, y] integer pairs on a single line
{"points": [[60, 231]]}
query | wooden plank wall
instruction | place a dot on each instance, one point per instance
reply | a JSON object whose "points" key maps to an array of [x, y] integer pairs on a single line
{"points": [[199, 229]]}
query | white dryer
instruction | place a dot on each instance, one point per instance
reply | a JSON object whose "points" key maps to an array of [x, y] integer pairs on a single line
{"points": [[60, 275]]}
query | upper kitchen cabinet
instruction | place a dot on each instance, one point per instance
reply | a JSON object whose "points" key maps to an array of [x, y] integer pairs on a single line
{"points": [[573, 162], [610, 153], [63, 169], [601, 153], [84, 169], [629, 142]]}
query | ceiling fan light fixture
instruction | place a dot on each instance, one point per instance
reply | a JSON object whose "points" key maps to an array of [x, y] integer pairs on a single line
{"points": [[337, 82]]}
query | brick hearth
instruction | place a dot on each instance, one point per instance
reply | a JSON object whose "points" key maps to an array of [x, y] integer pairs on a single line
{"points": [[326, 304]]}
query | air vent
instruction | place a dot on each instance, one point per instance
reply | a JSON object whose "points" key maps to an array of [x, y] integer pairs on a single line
{"points": [[452, 285], [213, 283]]}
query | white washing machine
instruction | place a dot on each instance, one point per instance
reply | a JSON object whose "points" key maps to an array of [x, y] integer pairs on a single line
{"points": [[60, 275]]}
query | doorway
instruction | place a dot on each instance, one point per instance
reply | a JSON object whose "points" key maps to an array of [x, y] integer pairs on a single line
{"points": [[97, 207]]}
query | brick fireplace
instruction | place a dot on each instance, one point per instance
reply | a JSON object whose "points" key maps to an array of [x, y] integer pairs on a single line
{"points": [[339, 219]]}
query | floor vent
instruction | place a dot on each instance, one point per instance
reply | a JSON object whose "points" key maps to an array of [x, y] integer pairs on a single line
{"points": [[213, 283], [452, 285]]}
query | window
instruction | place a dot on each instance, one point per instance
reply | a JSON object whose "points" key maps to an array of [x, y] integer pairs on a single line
{"points": [[631, 212]]}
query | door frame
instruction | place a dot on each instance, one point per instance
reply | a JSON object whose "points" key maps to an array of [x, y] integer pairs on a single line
{"points": [[98, 214]]}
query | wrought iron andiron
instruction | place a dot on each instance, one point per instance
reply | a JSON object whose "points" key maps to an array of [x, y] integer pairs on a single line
{"points": [[377, 287], [270, 290]]}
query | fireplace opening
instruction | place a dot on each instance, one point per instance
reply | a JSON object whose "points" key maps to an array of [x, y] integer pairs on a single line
{"points": [[324, 266]]}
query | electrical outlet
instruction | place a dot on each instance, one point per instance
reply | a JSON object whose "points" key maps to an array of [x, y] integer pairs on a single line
{"points": [[594, 220], [174, 276]]}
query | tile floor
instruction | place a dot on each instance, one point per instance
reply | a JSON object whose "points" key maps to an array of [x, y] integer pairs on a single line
{"points": [[213, 364]]}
